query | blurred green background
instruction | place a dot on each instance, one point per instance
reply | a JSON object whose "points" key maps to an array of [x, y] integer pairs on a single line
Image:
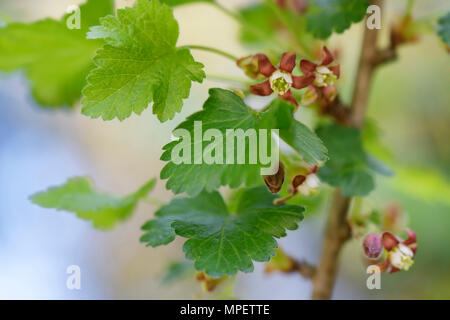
{"points": [[409, 110]]}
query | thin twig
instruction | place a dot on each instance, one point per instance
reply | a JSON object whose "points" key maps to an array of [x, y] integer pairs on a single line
{"points": [[305, 269], [213, 50], [336, 234]]}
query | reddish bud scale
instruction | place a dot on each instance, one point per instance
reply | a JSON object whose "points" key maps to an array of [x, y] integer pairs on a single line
{"points": [[275, 181]]}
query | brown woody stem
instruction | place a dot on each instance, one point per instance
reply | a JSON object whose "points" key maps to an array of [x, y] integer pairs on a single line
{"points": [[337, 229], [336, 233], [367, 63]]}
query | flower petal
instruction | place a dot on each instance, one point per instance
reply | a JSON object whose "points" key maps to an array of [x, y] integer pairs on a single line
{"points": [[307, 66], [303, 81], [329, 92], [288, 61], [390, 241], [310, 96], [411, 242], [261, 89], [264, 65], [411, 237], [413, 248], [327, 57], [336, 70], [288, 96]]}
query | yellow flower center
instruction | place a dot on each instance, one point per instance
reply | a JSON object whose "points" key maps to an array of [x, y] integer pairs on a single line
{"points": [[280, 82], [324, 77], [401, 257]]}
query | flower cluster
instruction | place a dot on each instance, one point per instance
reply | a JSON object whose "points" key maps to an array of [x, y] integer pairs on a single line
{"points": [[399, 255], [279, 80], [320, 77]]}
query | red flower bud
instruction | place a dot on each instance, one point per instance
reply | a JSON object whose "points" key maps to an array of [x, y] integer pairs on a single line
{"points": [[250, 66], [372, 245]]}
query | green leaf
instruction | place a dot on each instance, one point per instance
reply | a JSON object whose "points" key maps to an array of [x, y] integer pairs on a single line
{"points": [[159, 232], [280, 115], [262, 18], [349, 166], [55, 58], [444, 28], [378, 166], [139, 64], [225, 110], [78, 195], [174, 3], [223, 240], [90, 13], [326, 16]]}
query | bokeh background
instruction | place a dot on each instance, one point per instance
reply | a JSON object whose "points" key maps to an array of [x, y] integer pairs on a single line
{"points": [[410, 104]]}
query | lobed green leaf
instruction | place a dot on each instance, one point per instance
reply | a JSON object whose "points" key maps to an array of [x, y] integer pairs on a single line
{"points": [[279, 115], [55, 58], [78, 195], [224, 240], [224, 110], [139, 64]]}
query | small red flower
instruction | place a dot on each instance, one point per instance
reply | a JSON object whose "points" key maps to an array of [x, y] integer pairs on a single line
{"points": [[324, 76], [280, 80], [400, 254]]}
